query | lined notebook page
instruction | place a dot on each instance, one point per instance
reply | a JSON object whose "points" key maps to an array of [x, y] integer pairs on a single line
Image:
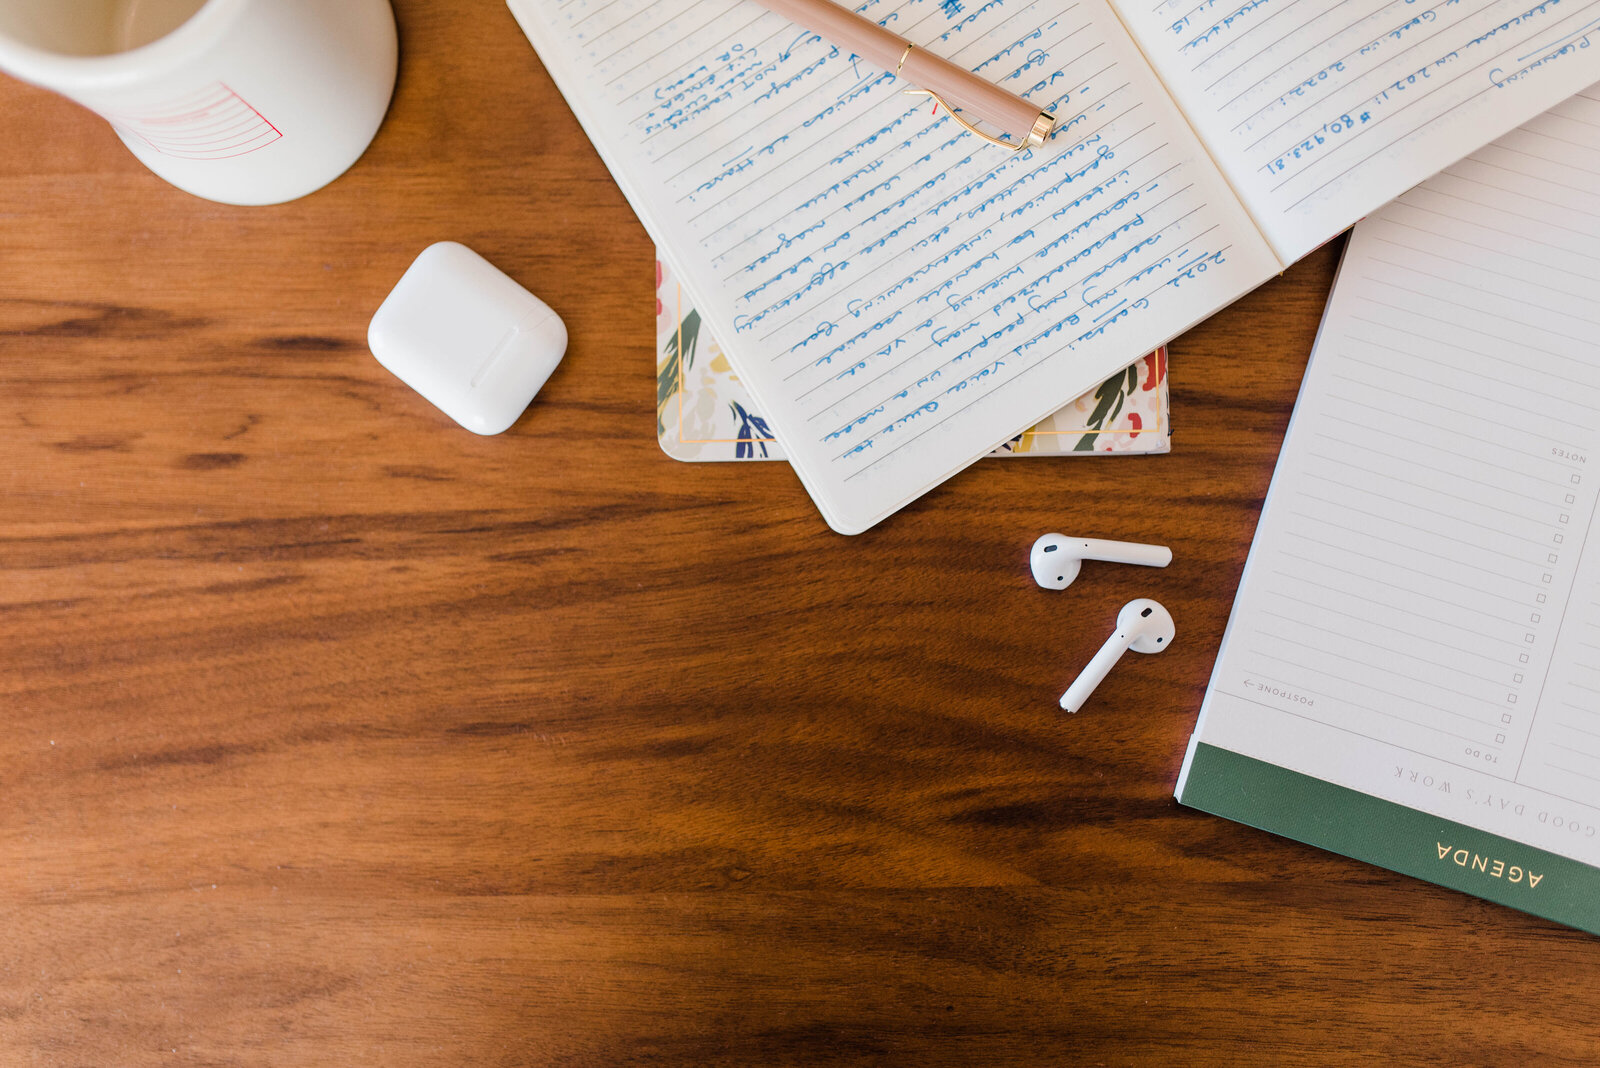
{"points": [[1321, 112], [1420, 615], [898, 296]]}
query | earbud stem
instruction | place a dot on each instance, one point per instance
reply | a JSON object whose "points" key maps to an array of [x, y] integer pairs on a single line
{"points": [[1095, 673], [1126, 552]]}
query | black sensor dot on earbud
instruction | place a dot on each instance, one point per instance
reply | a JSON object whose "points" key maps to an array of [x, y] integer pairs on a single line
{"points": [[1050, 548], [1146, 612]]}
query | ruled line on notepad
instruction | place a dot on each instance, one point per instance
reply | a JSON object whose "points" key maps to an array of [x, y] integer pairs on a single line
{"points": [[1416, 272], [1477, 311], [1521, 236], [1579, 730], [1368, 666], [1542, 179], [1390, 477], [1454, 669], [1410, 419], [1366, 574], [1412, 313], [1433, 551], [1575, 750], [1456, 175], [1501, 148], [1352, 703], [1497, 252], [1499, 404], [1438, 406], [1350, 591], [1485, 483], [1404, 632], [1433, 336], [1410, 568], [1455, 451], [1572, 771], [1431, 532]]}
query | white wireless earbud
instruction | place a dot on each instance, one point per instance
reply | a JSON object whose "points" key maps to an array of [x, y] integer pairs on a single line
{"points": [[1143, 626], [1056, 558]]}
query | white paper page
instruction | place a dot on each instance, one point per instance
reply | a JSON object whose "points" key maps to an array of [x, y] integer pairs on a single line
{"points": [[898, 296], [1420, 615], [1321, 112]]}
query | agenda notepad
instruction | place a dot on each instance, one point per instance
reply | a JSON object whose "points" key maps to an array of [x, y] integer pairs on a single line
{"points": [[899, 297], [1411, 674]]}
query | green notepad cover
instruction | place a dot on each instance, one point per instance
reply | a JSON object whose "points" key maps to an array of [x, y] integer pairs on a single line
{"points": [[1393, 836]]}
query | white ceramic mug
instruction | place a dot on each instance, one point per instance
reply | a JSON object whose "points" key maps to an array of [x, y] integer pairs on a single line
{"points": [[240, 101]]}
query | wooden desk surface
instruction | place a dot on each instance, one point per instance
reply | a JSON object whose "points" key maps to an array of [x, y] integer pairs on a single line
{"points": [[331, 733]]}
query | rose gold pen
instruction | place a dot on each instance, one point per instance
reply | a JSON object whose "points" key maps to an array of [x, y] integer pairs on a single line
{"points": [[953, 86]]}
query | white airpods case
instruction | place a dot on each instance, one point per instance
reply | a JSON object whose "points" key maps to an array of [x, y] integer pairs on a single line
{"points": [[469, 339]]}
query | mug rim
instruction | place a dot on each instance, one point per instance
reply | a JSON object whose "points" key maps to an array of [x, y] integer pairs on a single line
{"points": [[66, 73]]}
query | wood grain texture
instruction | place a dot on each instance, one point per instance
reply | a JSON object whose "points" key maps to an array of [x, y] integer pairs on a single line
{"points": [[335, 734]]}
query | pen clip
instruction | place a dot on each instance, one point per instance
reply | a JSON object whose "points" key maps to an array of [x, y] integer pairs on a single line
{"points": [[1041, 127]]}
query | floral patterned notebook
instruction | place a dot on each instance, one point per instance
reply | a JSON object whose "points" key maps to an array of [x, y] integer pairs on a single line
{"points": [[704, 413]]}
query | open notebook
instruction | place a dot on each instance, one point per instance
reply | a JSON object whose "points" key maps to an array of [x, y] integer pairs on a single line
{"points": [[899, 297], [704, 413], [1411, 674]]}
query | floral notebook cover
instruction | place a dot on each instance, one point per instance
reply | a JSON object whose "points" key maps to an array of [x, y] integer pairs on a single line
{"points": [[704, 413]]}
